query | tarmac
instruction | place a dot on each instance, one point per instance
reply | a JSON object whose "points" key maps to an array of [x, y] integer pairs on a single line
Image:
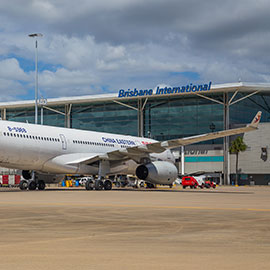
{"points": [[225, 228]]}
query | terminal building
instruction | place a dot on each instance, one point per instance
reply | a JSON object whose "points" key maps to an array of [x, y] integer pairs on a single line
{"points": [[167, 113]]}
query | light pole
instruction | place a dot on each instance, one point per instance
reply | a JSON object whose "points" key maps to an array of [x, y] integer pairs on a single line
{"points": [[36, 35], [42, 102]]}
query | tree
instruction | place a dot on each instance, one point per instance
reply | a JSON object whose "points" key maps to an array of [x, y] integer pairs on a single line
{"points": [[237, 146]]}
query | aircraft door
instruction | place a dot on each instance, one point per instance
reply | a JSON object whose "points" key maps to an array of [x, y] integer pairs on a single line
{"points": [[63, 141]]}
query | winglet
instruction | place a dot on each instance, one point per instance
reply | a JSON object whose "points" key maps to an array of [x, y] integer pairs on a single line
{"points": [[256, 120]]}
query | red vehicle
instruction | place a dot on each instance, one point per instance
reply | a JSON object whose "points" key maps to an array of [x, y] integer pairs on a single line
{"points": [[210, 184], [192, 182]]}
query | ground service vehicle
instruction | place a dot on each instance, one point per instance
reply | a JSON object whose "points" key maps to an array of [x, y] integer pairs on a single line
{"points": [[210, 184], [193, 181]]}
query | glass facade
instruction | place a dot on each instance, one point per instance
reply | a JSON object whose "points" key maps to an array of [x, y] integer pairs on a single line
{"points": [[169, 118], [106, 117], [28, 115], [163, 117]]}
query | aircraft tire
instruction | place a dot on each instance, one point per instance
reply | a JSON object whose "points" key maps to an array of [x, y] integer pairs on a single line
{"points": [[89, 185], [150, 185], [32, 185], [23, 185], [41, 185], [98, 185], [107, 185]]}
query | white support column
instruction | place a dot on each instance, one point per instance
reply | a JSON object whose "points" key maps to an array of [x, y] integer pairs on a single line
{"points": [[182, 160], [226, 154], [4, 114], [67, 115]]}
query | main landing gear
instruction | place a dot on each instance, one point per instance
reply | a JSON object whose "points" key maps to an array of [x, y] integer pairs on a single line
{"points": [[32, 185], [98, 184]]}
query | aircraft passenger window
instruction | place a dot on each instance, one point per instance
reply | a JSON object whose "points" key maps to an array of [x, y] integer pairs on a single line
{"points": [[30, 136], [23, 135], [38, 137], [4, 133], [18, 135]]}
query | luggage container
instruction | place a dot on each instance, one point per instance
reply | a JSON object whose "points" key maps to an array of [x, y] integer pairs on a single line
{"points": [[5, 180], [17, 179], [11, 180]]}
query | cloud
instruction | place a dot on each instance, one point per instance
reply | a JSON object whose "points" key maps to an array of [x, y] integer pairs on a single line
{"points": [[99, 46], [10, 69]]}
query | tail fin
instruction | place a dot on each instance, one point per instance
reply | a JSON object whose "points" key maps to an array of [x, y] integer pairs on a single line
{"points": [[256, 120]]}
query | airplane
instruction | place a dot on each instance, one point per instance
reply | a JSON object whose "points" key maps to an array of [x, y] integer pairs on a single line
{"points": [[55, 150]]}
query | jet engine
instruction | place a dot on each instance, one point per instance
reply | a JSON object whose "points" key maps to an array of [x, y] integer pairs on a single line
{"points": [[157, 172], [27, 174]]}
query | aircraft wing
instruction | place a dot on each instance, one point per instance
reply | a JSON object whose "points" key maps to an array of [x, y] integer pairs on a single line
{"points": [[138, 152]]}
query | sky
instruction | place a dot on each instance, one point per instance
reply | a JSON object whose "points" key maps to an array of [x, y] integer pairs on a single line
{"points": [[97, 47]]}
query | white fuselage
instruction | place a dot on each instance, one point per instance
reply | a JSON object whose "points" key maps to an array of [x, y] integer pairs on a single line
{"points": [[33, 147]]}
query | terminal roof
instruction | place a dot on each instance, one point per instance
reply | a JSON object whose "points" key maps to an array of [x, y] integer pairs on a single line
{"points": [[215, 88]]}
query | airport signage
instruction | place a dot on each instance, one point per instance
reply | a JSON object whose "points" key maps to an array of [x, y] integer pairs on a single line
{"points": [[118, 141], [17, 129], [189, 88]]}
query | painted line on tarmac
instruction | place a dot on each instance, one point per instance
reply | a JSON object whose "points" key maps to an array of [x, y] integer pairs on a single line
{"points": [[69, 204]]}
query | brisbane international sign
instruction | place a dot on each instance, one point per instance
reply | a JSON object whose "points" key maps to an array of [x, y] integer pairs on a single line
{"points": [[165, 91]]}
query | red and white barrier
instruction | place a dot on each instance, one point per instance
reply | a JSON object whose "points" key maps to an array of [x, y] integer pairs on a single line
{"points": [[10, 180]]}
